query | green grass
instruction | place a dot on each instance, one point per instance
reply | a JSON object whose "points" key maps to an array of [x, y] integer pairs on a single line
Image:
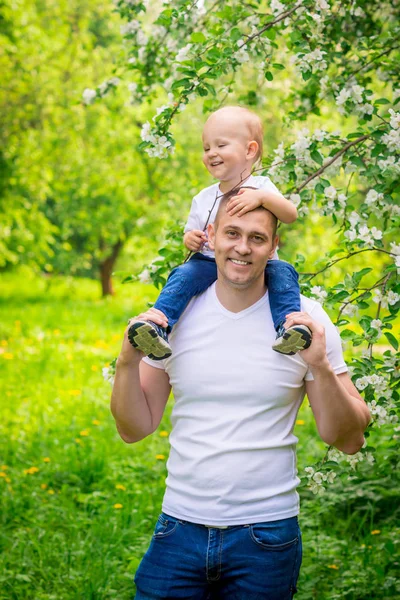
{"points": [[65, 471]]}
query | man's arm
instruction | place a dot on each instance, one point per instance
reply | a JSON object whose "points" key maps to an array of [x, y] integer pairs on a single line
{"points": [[140, 392], [340, 412]]}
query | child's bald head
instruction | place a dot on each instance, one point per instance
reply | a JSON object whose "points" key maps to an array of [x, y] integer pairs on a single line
{"points": [[242, 121]]}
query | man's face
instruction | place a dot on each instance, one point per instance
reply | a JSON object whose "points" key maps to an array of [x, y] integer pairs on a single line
{"points": [[243, 246]]}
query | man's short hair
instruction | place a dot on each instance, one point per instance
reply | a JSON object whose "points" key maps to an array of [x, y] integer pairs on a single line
{"points": [[226, 197]]}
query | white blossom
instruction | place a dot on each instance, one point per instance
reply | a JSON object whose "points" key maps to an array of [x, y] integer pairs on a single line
{"points": [[89, 95], [319, 293], [394, 119], [277, 7], [322, 5], [144, 276], [393, 297], [330, 192], [130, 28], [183, 53], [108, 374], [376, 324], [395, 248], [295, 198], [392, 139]]}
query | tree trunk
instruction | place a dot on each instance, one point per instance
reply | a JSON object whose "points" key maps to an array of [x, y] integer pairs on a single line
{"points": [[106, 269]]}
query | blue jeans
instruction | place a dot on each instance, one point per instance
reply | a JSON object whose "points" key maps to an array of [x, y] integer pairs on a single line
{"points": [[196, 275], [260, 561]]}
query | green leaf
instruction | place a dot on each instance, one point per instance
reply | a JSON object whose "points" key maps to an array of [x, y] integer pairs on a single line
{"points": [[319, 188], [278, 66], [360, 274], [315, 155], [269, 76], [382, 101], [392, 340], [198, 38], [306, 75]]}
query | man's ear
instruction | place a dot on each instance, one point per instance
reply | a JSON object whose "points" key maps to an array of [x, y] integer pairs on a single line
{"points": [[211, 236], [274, 246], [252, 149]]}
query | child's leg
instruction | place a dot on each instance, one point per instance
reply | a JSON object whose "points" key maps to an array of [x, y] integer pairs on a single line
{"points": [[284, 298], [184, 282]]}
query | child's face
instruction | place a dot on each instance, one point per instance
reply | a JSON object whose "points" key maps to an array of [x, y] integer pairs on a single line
{"points": [[228, 150]]}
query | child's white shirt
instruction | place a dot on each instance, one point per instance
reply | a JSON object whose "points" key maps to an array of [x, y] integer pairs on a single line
{"points": [[205, 206]]}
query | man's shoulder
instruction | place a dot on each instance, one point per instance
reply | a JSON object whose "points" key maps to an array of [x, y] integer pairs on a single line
{"points": [[309, 304]]}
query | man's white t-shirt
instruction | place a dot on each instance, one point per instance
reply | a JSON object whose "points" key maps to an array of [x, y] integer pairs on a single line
{"points": [[205, 205], [233, 452]]}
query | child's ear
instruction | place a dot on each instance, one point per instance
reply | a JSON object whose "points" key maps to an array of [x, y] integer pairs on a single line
{"points": [[252, 149], [211, 236]]}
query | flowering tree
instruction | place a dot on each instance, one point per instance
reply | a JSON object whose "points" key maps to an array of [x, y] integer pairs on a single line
{"points": [[334, 61]]}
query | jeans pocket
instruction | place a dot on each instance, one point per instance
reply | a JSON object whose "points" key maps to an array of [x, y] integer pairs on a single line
{"points": [[165, 526], [275, 535]]}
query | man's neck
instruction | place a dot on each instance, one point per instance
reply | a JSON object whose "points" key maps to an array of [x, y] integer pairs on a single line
{"points": [[230, 184], [236, 299]]}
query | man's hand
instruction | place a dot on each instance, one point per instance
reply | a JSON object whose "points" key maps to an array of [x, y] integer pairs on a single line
{"points": [[315, 355], [129, 354], [244, 201], [194, 239]]}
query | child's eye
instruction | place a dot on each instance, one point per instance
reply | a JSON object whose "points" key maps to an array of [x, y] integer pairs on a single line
{"points": [[221, 145]]}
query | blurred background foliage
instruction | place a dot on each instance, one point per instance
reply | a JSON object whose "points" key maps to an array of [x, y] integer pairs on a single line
{"points": [[76, 195]]}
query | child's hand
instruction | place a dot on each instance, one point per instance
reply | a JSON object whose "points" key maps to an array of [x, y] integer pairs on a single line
{"points": [[194, 239], [244, 201]]}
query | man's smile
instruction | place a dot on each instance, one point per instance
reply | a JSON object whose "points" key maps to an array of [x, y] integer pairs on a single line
{"points": [[239, 262]]}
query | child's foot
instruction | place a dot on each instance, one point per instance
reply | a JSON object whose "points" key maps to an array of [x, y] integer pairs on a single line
{"points": [[150, 338], [291, 340]]}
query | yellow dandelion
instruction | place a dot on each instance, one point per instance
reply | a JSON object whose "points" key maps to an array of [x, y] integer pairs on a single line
{"points": [[74, 392], [160, 456], [46, 459], [8, 480], [51, 492], [84, 432], [17, 323], [69, 356], [94, 368], [119, 486], [335, 567], [118, 506], [3, 467], [8, 394], [8, 356], [101, 344], [2, 474], [375, 532], [56, 332], [4, 343], [164, 433], [362, 546], [43, 486], [96, 422], [78, 441], [300, 422], [31, 471]]}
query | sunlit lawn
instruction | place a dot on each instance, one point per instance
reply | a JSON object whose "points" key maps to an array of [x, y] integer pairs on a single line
{"points": [[78, 505]]}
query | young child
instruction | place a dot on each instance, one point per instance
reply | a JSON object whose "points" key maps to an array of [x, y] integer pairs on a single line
{"points": [[233, 142]]}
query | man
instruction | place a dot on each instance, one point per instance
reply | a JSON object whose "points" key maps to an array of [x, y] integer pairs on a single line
{"points": [[229, 527]]}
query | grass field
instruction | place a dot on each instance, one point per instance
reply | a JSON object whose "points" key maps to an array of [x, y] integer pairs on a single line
{"points": [[78, 505]]}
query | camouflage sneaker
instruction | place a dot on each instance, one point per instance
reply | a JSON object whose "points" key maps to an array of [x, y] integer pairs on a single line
{"points": [[291, 340], [150, 338]]}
